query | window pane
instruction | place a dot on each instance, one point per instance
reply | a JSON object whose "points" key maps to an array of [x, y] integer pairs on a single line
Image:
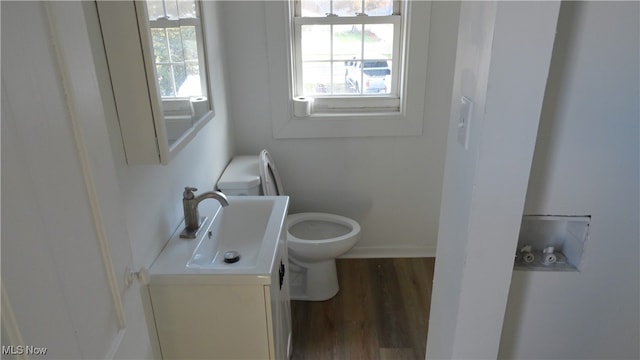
{"points": [[347, 7], [368, 77], [378, 7], [160, 49], [176, 50], [155, 9], [189, 42], [319, 8], [180, 75], [316, 42], [378, 41], [191, 86], [187, 9], [315, 8], [353, 77], [171, 7], [347, 42], [193, 67], [175, 44], [339, 77], [175, 9], [165, 80], [316, 78], [389, 78], [346, 59]]}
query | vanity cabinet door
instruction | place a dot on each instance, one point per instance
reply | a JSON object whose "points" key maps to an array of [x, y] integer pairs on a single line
{"points": [[235, 320], [210, 321], [281, 305]]}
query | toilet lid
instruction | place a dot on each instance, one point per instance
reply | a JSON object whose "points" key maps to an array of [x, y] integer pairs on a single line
{"points": [[271, 184]]}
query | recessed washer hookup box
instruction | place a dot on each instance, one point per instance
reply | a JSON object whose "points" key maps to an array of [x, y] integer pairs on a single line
{"points": [[551, 242]]}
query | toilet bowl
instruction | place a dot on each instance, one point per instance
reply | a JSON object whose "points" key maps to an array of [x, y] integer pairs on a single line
{"points": [[328, 235], [314, 239]]}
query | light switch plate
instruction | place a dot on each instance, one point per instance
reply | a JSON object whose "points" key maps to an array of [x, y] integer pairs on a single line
{"points": [[464, 122]]}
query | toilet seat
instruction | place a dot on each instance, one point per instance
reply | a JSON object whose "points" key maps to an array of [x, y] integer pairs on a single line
{"points": [[271, 184], [349, 225], [324, 247]]}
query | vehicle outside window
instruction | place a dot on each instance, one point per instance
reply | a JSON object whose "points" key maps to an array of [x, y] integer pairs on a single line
{"points": [[368, 76]]}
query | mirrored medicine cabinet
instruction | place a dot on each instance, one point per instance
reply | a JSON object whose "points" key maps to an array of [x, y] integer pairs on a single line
{"points": [[157, 63]]}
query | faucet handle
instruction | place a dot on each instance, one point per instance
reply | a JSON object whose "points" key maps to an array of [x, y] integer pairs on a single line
{"points": [[188, 193]]}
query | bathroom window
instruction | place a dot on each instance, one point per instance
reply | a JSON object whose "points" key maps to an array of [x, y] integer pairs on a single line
{"points": [[347, 54], [351, 59], [176, 35]]}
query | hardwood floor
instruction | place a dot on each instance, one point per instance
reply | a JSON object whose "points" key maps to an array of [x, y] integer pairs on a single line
{"points": [[381, 312]]}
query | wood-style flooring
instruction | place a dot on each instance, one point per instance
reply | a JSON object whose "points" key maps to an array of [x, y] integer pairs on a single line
{"points": [[381, 312]]}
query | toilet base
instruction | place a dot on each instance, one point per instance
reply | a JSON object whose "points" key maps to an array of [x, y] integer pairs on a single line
{"points": [[317, 281]]}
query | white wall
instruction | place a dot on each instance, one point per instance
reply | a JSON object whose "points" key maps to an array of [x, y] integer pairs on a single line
{"points": [[472, 65], [48, 221], [391, 185], [55, 275], [586, 162], [485, 186]]}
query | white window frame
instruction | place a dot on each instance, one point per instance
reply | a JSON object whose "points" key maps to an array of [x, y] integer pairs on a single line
{"points": [[179, 107], [178, 23], [351, 103], [406, 120]]}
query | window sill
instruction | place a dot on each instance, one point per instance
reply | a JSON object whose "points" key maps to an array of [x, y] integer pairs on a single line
{"points": [[351, 125], [351, 116]]}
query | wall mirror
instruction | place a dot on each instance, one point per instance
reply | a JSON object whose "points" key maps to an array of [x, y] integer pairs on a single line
{"points": [[157, 63]]}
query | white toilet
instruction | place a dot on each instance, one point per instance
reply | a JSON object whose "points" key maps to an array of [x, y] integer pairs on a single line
{"points": [[314, 239]]}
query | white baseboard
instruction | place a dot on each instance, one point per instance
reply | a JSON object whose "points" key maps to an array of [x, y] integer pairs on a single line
{"points": [[363, 252]]}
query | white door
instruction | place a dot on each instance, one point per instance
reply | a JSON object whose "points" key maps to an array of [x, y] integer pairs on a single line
{"points": [[65, 246]]}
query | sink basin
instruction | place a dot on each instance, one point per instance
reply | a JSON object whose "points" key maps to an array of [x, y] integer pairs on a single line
{"points": [[250, 227], [246, 227]]}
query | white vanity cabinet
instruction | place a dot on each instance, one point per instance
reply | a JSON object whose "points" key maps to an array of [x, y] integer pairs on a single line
{"points": [[234, 320]]}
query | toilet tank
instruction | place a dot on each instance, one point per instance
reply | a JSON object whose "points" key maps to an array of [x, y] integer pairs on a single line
{"points": [[242, 176]]}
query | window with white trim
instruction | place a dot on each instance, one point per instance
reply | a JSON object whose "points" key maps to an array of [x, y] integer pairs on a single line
{"points": [[346, 111], [348, 55], [178, 52]]}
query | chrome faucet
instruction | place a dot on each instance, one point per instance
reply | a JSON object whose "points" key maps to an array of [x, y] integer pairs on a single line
{"points": [[190, 204]]}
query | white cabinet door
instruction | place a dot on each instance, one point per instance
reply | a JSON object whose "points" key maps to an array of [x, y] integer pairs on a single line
{"points": [[281, 304], [204, 321], [64, 241]]}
